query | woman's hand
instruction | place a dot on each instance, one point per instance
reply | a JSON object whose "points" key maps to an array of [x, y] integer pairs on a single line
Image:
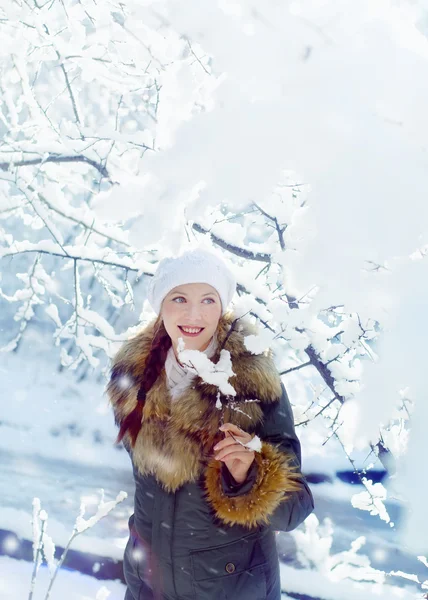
{"points": [[237, 458]]}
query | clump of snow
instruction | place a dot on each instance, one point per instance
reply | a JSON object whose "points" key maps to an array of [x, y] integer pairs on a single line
{"points": [[423, 560], [372, 500], [216, 374], [103, 593], [314, 544], [404, 575], [257, 344], [254, 444], [181, 345], [103, 510]]}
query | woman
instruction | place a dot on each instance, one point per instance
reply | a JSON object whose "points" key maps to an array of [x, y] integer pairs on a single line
{"points": [[206, 504]]}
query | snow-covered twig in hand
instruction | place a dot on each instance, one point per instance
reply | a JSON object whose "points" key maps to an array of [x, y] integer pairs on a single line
{"points": [[215, 374], [254, 444]]}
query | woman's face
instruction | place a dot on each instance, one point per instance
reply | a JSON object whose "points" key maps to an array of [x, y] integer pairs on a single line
{"points": [[194, 305]]}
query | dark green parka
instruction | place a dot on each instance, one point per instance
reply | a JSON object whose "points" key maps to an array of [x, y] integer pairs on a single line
{"points": [[196, 534]]}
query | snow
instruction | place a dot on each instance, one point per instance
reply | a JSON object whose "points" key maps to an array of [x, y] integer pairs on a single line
{"points": [[95, 542], [254, 444], [214, 373], [318, 585], [69, 585], [46, 415], [102, 511], [259, 343], [372, 500]]}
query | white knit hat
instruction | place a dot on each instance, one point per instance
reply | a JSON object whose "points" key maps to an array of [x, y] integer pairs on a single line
{"points": [[193, 266]]}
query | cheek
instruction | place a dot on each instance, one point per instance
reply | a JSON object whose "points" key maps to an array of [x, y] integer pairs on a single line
{"points": [[169, 316], [171, 309], [217, 308], [213, 315]]}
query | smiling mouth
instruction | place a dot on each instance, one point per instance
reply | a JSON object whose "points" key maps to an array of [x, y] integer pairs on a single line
{"points": [[191, 331]]}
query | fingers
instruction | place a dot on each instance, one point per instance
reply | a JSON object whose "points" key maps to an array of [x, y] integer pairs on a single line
{"points": [[233, 428], [233, 439], [236, 432], [228, 441], [244, 456], [233, 449]]}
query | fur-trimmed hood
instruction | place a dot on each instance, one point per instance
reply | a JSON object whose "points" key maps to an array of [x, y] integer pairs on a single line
{"points": [[176, 439]]}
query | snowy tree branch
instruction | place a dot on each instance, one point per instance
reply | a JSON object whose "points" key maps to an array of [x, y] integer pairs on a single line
{"points": [[69, 254], [236, 250], [51, 158]]}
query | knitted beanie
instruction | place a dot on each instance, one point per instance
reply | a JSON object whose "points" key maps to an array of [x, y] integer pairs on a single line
{"points": [[193, 266]]}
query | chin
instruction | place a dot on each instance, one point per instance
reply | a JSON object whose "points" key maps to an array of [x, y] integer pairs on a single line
{"points": [[195, 344]]}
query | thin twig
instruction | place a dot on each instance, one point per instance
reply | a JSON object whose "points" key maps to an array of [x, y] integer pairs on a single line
{"points": [[197, 58], [70, 256]]}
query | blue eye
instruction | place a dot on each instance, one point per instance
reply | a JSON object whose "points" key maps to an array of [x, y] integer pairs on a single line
{"points": [[182, 298]]}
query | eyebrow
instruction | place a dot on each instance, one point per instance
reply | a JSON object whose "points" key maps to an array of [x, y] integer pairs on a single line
{"points": [[184, 293]]}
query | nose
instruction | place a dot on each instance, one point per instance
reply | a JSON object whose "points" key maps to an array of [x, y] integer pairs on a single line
{"points": [[193, 313]]}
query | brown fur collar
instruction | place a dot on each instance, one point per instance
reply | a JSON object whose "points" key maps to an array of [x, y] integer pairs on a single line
{"points": [[176, 439]]}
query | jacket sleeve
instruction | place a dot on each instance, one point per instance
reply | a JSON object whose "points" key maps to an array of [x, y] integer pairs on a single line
{"points": [[275, 492], [231, 487]]}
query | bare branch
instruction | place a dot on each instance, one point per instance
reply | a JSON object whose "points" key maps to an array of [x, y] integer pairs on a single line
{"points": [[306, 364], [241, 252], [197, 58], [55, 158], [329, 380], [319, 412], [5, 253], [280, 230], [70, 91]]}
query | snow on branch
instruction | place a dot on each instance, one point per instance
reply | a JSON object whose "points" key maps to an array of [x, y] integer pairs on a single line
{"points": [[314, 544], [42, 543], [103, 509], [217, 374], [6, 166]]}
